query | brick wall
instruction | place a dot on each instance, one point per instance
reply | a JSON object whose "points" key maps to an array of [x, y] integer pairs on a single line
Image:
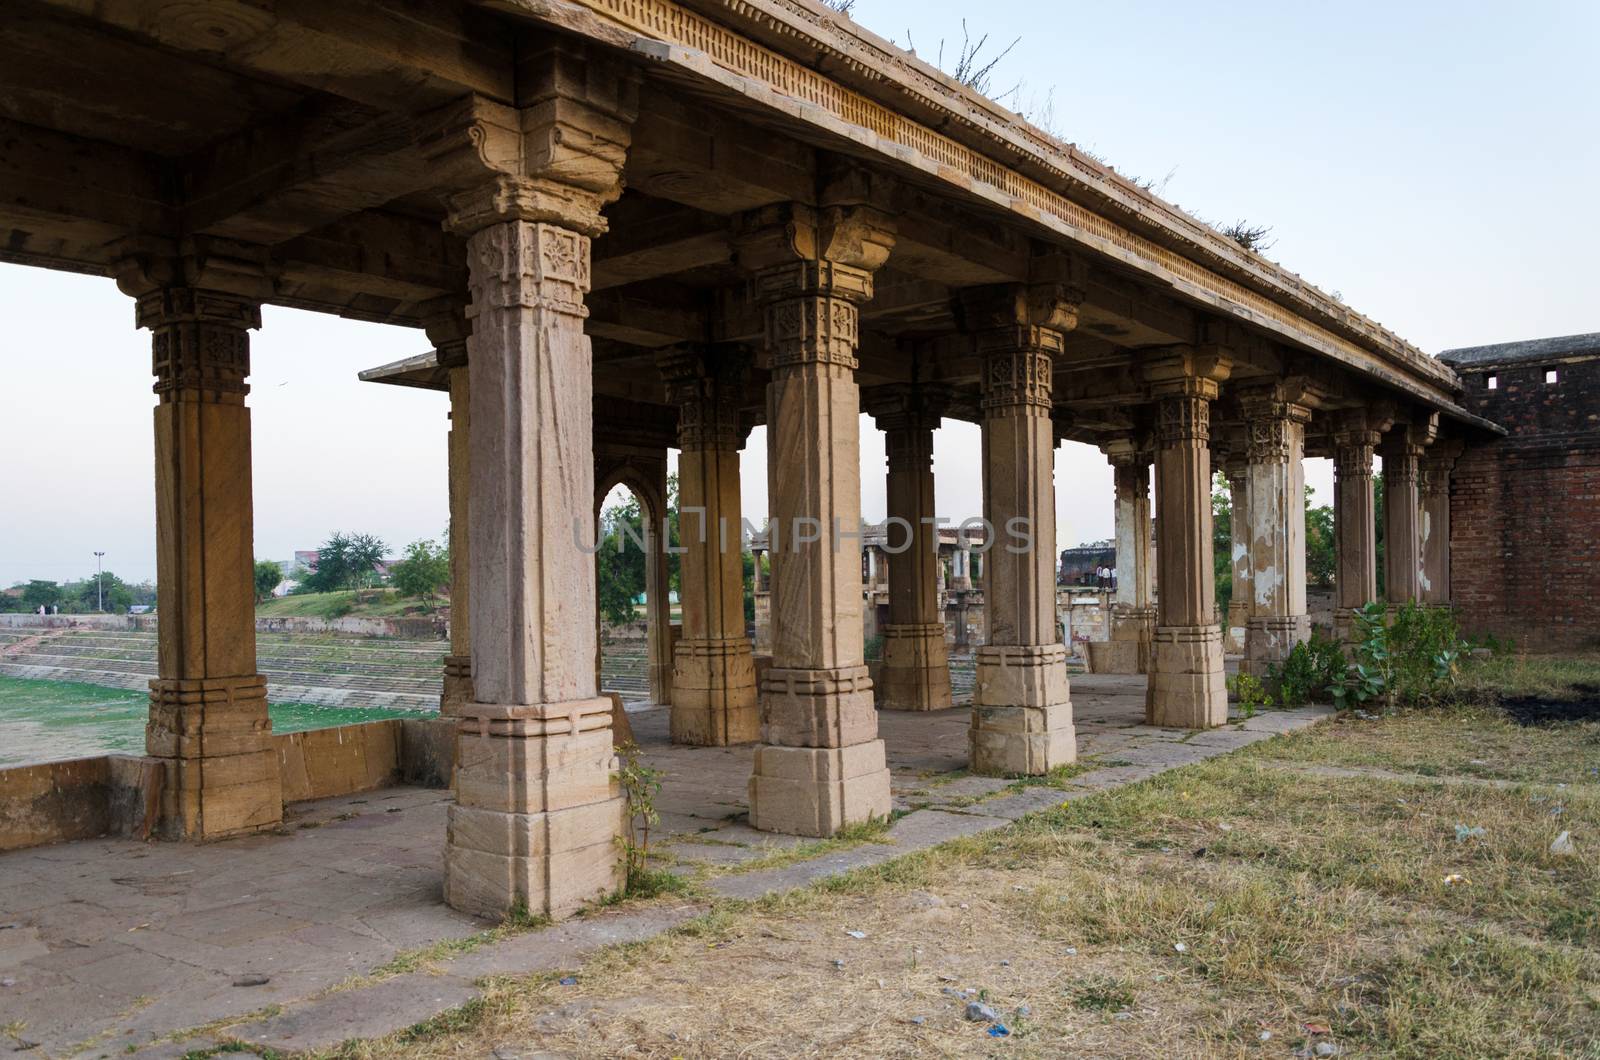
{"points": [[1525, 509]]}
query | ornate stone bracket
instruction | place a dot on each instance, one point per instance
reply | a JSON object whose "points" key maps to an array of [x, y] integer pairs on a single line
{"points": [[557, 158]]}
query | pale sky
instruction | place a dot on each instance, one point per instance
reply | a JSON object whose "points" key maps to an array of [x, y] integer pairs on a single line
{"points": [[1433, 162]]}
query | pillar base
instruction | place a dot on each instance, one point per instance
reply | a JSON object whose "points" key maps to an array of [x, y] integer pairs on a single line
{"points": [[820, 765], [816, 791], [1236, 633], [214, 738], [817, 708], [916, 668], [1271, 639], [538, 812], [1021, 711], [714, 693], [1133, 626], [457, 689], [1188, 689]]}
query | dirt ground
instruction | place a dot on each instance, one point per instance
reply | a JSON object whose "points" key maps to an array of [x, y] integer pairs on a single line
{"points": [[1315, 895]]}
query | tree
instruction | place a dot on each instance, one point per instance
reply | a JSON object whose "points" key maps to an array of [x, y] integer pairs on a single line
{"points": [[1222, 541], [267, 577], [621, 560], [104, 589], [37, 594], [424, 570], [366, 552], [346, 561], [1321, 560]]}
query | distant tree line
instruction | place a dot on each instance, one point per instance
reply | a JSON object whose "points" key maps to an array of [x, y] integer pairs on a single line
{"points": [[83, 596]]}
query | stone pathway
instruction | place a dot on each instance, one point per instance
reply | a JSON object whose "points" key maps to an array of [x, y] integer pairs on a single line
{"points": [[112, 946]]}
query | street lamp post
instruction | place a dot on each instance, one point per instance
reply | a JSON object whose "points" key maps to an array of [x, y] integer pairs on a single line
{"points": [[99, 584]]}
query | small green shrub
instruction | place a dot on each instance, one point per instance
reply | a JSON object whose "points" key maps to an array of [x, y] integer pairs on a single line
{"points": [[1313, 669], [640, 785], [1250, 692], [1413, 659]]}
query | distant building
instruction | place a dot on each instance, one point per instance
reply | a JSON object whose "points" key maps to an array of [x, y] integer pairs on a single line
{"points": [[1078, 565]]}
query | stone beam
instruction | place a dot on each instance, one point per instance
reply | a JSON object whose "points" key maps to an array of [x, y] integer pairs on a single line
{"points": [[50, 177], [299, 171], [396, 59], [646, 244]]}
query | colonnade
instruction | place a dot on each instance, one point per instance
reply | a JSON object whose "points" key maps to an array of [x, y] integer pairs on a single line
{"points": [[537, 812]]}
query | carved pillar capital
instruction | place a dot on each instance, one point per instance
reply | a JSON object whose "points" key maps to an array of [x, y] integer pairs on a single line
{"points": [[1437, 463], [1270, 425], [1182, 383], [1128, 452], [200, 341], [705, 384], [556, 158], [448, 327], [811, 269], [1018, 330]]}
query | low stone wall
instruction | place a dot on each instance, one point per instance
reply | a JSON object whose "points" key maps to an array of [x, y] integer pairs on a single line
{"points": [[345, 759], [120, 795], [356, 626], [78, 798], [435, 628], [28, 620]]}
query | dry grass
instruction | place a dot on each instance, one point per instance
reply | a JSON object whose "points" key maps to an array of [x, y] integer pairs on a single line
{"points": [[1297, 900]]}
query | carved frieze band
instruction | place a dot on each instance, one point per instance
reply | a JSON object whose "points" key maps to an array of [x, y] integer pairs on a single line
{"points": [[1273, 430], [200, 341], [1353, 451], [1183, 419], [813, 329], [909, 448], [528, 264], [1019, 377]]}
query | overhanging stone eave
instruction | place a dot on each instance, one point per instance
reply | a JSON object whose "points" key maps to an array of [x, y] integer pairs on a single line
{"points": [[1021, 143], [420, 370], [1429, 382]]}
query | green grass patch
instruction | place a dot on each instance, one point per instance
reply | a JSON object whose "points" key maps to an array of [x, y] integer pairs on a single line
{"points": [[47, 720]]}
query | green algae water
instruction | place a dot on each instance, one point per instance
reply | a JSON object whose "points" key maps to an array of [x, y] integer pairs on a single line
{"points": [[45, 720]]}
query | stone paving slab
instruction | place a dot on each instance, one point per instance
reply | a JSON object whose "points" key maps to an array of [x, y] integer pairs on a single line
{"points": [[370, 1012], [123, 943]]}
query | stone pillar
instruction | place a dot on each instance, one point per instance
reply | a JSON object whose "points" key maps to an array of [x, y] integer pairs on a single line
{"points": [[1275, 487], [1187, 687], [1402, 563], [1021, 704], [208, 720], [1434, 531], [1132, 615], [1235, 631], [1355, 530], [450, 346], [713, 677], [916, 663], [820, 764], [538, 812], [762, 644]]}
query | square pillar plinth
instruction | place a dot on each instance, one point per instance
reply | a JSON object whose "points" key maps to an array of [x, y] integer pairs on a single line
{"points": [[1021, 711], [1271, 638], [916, 667], [538, 812], [820, 764], [816, 791], [214, 739], [714, 693], [1188, 688]]}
